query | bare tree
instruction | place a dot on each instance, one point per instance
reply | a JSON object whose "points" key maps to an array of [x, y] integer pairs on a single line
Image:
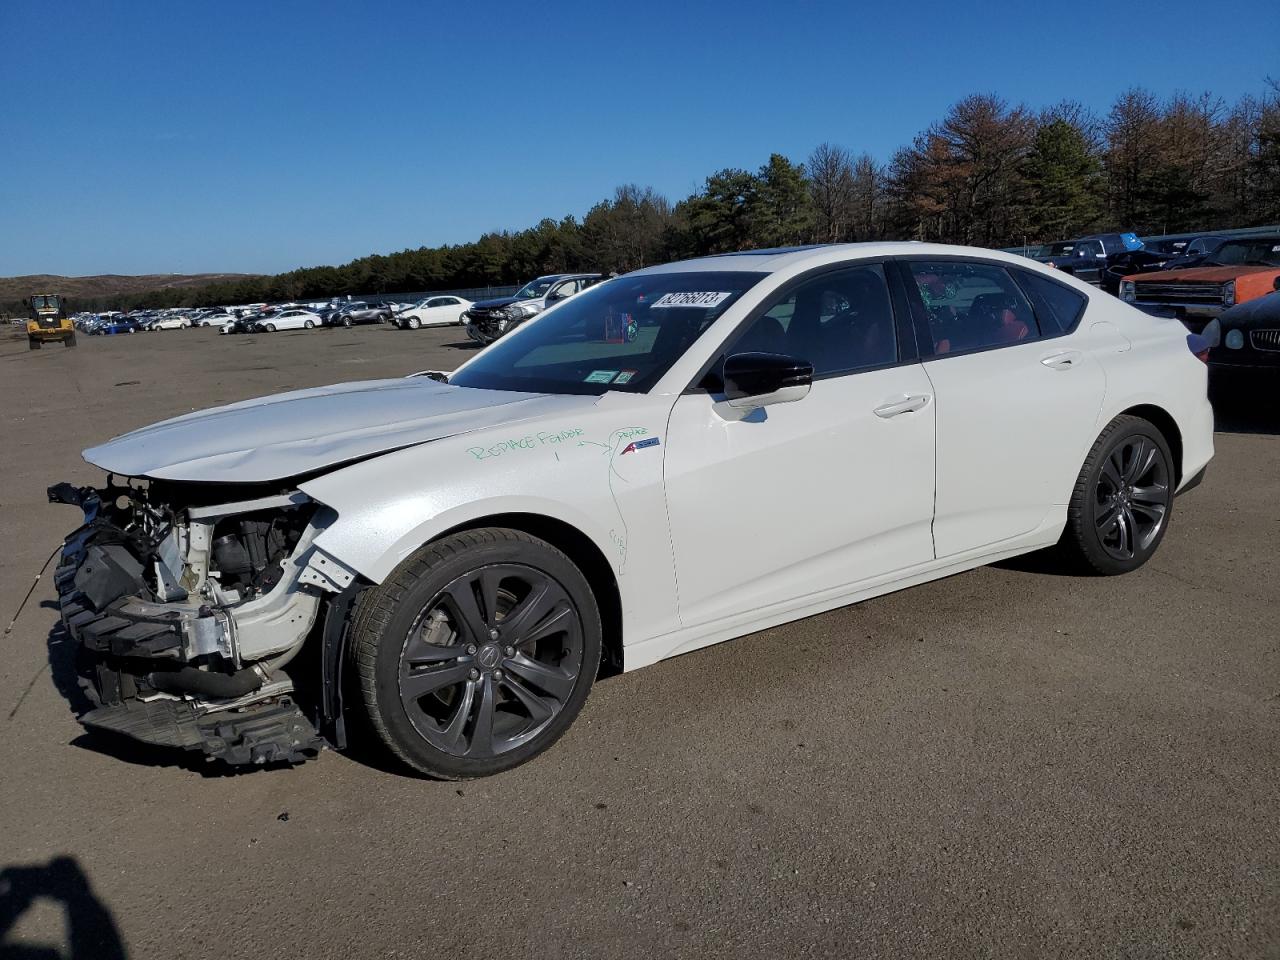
{"points": [[831, 184]]}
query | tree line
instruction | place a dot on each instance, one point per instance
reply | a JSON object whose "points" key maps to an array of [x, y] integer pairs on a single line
{"points": [[989, 173]]}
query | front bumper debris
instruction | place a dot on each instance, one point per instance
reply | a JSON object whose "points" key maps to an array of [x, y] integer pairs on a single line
{"points": [[137, 656]]}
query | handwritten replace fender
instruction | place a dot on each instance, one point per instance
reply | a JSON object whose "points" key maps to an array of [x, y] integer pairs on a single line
{"points": [[596, 466]]}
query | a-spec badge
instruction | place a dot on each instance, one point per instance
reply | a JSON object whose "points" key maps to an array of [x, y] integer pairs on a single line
{"points": [[641, 444]]}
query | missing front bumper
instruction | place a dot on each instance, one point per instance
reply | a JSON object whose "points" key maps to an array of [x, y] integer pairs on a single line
{"points": [[153, 671]]}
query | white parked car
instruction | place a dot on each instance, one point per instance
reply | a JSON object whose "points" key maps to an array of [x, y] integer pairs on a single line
{"points": [[172, 322], [686, 454], [432, 312], [214, 320], [295, 319]]}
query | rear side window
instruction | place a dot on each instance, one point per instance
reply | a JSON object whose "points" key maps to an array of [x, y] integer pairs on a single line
{"points": [[1058, 307], [971, 306]]}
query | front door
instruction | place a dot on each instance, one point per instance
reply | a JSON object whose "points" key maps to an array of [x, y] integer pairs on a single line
{"points": [[800, 498]]}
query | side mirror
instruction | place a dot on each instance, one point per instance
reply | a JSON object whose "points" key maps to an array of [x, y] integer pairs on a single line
{"points": [[759, 379]]}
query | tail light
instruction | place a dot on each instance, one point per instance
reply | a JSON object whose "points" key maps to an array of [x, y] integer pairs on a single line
{"points": [[1199, 346]]}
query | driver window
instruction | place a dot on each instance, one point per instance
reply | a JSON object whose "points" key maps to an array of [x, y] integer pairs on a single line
{"points": [[840, 321]]}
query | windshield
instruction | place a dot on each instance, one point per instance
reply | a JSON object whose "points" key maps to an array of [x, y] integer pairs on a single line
{"points": [[1261, 253], [1059, 249], [620, 335], [533, 290], [48, 302]]}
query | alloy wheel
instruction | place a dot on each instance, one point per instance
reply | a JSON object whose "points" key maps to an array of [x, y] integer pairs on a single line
{"points": [[1131, 498], [491, 661]]}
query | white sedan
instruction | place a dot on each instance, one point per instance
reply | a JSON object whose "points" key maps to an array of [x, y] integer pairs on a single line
{"points": [[432, 312], [684, 455], [171, 323], [295, 319], [214, 320]]}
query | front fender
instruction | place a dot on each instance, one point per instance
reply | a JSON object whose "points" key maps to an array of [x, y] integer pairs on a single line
{"points": [[582, 468]]}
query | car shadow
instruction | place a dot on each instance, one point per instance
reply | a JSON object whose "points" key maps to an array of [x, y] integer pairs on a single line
{"points": [[1244, 401], [90, 928]]}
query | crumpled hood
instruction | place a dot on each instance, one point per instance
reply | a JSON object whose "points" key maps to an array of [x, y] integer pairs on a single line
{"points": [[303, 431], [493, 304]]}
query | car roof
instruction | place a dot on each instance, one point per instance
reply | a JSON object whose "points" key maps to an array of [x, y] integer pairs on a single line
{"points": [[777, 259]]}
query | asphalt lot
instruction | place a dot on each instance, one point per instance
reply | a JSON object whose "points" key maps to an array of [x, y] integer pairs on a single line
{"points": [[1007, 763]]}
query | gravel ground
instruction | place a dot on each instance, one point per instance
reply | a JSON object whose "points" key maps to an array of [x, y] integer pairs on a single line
{"points": [[1006, 763]]}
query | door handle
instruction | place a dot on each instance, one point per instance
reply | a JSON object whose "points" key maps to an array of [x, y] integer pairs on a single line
{"points": [[1063, 359], [898, 405]]}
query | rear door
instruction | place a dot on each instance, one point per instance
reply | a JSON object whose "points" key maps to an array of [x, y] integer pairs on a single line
{"points": [[1017, 394]]}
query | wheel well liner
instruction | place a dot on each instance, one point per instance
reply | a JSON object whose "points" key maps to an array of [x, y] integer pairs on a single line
{"points": [[1162, 421], [588, 558]]}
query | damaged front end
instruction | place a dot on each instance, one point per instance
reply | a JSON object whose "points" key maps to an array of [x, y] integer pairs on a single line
{"points": [[188, 609]]}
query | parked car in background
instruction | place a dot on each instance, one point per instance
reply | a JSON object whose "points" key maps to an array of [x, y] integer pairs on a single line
{"points": [[1088, 257], [117, 325], [295, 319], [1236, 272], [357, 311], [1126, 264], [172, 322], [432, 312], [1247, 335], [1195, 252], [488, 320], [213, 318], [241, 324]]}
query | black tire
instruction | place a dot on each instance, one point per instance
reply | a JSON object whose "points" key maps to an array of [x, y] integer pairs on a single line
{"points": [[69, 341], [530, 683], [33, 343], [307, 324], [270, 327], [1122, 501], [346, 321], [414, 323]]}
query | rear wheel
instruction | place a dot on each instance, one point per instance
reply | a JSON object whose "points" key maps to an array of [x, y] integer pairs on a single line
{"points": [[307, 324], [477, 653], [1122, 500]]}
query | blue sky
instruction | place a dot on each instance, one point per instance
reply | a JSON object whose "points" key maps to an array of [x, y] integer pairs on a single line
{"points": [[190, 137]]}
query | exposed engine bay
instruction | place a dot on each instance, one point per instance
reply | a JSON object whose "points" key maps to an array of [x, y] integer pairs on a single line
{"points": [[190, 611]]}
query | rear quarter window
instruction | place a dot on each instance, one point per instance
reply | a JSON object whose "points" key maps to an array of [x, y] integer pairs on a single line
{"points": [[1057, 306]]}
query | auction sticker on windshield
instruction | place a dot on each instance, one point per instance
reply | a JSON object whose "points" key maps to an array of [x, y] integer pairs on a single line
{"points": [[601, 376], [691, 299]]}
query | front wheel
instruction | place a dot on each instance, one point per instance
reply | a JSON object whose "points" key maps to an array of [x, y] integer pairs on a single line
{"points": [[477, 653], [1122, 500], [69, 341], [414, 323], [270, 328], [33, 343], [346, 321]]}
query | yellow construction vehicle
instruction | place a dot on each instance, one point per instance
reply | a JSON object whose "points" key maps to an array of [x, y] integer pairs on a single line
{"points": [[47, 321]]}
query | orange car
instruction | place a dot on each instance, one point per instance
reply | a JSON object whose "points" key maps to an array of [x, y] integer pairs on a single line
{"points": [[1238, 271]]}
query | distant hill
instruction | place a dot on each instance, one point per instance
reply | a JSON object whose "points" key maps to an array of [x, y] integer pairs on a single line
{"points": [[79, 289]]}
